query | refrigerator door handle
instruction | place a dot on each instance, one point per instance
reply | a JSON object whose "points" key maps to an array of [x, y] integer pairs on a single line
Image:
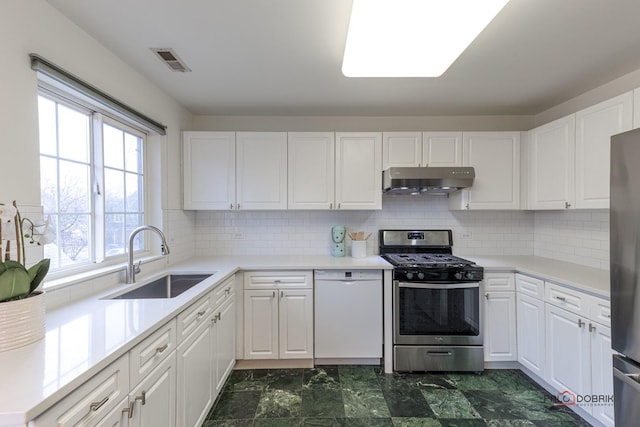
{"points": [[629, 379]]}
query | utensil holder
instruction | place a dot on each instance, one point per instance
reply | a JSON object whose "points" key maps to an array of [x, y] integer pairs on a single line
{"points": [[359, 249]]}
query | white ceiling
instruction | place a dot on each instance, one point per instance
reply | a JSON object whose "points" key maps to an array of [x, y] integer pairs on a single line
{"points": [[283, 57]]}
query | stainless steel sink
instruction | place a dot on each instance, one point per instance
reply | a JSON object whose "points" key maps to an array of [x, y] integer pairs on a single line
{"points": [[169, 286]]}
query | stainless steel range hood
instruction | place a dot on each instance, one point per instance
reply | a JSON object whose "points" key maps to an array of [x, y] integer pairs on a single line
{"points": [[426, 180]]}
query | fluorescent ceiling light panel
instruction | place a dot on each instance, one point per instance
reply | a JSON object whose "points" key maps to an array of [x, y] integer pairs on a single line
{"points": [[412, 38]]}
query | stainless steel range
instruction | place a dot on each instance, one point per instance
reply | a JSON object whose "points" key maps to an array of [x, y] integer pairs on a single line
{"points": [[437, 315]]}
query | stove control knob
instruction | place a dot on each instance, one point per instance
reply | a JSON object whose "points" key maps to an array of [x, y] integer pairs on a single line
{"points": [[420, 275], [458, 275], [409, 276], [469, 275]]}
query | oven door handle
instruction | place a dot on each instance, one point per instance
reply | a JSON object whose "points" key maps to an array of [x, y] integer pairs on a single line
{"points": [[426, 285]]}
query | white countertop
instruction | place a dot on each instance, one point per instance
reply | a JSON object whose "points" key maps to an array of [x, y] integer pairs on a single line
{"points": [[84, 337], [587, 279]]}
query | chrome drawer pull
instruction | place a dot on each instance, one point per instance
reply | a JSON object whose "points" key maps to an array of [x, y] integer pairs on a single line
{"points": [[592, 327], [486, 295], [227, 291], [163, 348], [563, 299], [606, 316], [202, 313], [580, 323], [219, 316], [97, 405]]}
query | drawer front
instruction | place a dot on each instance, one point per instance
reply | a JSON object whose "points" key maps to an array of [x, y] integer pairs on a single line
{"points": [[193, 316], [93, 400], [278, 279], [149, 353], [223, 292], [600, 311], [499, 282], [530, 286], [569, 299]]}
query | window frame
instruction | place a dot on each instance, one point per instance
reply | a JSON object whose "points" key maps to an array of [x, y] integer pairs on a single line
{"points": [[97, 117]]}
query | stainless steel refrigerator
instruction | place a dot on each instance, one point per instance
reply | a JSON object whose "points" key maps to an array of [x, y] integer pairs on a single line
{"points": [[625, 275]]}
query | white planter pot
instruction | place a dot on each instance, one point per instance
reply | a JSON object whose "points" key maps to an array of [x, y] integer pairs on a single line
{"points": [[22, 321]]}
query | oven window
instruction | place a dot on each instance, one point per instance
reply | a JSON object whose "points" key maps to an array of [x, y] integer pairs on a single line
{"points": [[439, 311]]}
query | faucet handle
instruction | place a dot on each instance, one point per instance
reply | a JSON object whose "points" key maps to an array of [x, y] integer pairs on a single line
{"points": [[136, 267]]}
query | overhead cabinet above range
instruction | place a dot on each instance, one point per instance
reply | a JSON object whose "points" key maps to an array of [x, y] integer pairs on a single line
{"points": [[409, 149]]}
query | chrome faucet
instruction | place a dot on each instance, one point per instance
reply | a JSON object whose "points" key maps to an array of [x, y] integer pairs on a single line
{"points": [[133, 269]]}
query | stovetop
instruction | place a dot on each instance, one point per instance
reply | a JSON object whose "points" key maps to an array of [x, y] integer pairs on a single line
{"points": [[426, 260], [425, 256]]}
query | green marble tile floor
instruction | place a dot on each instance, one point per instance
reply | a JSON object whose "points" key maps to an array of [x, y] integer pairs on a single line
{"points": [[363, 396]]}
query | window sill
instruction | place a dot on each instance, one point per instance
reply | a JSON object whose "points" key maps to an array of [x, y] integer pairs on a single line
{"points": [[76, 278]]}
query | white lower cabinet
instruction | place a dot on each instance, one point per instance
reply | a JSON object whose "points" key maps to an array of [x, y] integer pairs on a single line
{"points": [[602, 370], [153, 401], [207, 355], [500, 317], [531, 326], [568, 347], [278, 319]]}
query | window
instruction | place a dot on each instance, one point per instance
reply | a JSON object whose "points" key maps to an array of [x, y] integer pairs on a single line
{"points": [[92, 182]]}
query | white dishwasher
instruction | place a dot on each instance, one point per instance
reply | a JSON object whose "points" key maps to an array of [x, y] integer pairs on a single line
{"points": [[348, 315]]}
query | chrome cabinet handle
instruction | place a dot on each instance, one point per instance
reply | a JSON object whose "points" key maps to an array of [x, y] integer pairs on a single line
{"points": [[163, 348], [592, 327], [202, 313], [238, 206], [97, 405], [567, 205], [228, 290], [129, 409], [563, 299], [486, 295], [281, 294], [219, 316], [231, 206], [606, 316], [274, 294], [580, 323]]}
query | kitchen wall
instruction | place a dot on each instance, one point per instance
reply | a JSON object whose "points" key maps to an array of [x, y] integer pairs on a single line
{"points": [[308, 232], [581, 237]]}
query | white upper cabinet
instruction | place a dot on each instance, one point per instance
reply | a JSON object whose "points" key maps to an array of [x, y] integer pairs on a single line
{"points": [[401, 149], [594, 127], [551, 165], [311, 169], [261, 170], [209, 170], [406, 149], [441, 149], [495, 156], [359, 170]]}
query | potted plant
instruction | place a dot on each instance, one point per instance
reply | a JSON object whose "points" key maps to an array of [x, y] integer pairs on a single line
{"points": [[21, 304]]}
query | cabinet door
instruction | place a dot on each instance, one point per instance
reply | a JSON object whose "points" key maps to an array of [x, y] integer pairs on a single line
{"points": [[155, 397], [441, 149], [195, 380], [224, 356], [401, 149], [311, 170], [568, 347], [296, 324], [261, 170], [531, 333], [602, 371], [500, 326], [260, 324], [359, 170], [496, 159], [209, 170], [594, 127], [552, 165]]}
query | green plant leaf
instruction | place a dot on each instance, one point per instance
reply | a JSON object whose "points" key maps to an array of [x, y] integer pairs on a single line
{"points": [[14, 284], [37, 273]]}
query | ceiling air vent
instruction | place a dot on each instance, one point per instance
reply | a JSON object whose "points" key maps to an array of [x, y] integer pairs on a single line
{"points": [[169, 57]]}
